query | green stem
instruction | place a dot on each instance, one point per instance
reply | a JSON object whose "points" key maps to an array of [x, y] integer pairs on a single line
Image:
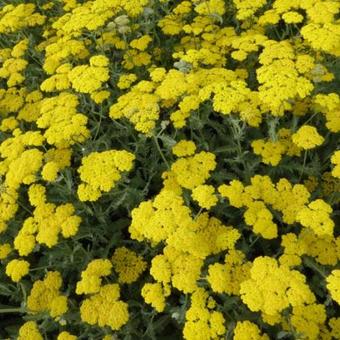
{"points": [[23, 207], [12, 310], [198, 214], [310, 118], [22, 287], [240, 155], [20, 204], [238, 132], [256, 239], [304, 165], [98, 128], [160, 151], [313, 266]]}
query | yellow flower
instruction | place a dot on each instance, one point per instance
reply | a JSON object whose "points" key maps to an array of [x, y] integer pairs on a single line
{"points": [[211, 7], [307, 137], [45, 296], [273, 288], [248, 330], [227, 277], [307, 319], [24, 243], [195, 170], [157, 74], [125, 80], [100, 171], [66, 336], [335, 159], [322, 37], [142, 43], [105, 308], [127, 264], [16, 269], [279, 77], [271, 152], [36, 194], [247, 8], [317, 217], [47, 222], [63, 125], [205, 196], [153, 294], [260, 217], [8, 124], [185, 269], [139, 106], [99, 96], [24, 169], [292, 17], [173, 85], [234, 192], [91, 277], [89, 79], [201, 322], [333, 285], [99, 61], [50, 171], [5, 250], [161, 269], [184, 148], [29, 331]]}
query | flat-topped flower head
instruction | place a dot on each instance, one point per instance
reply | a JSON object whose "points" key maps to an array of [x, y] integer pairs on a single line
{"points": [[307, 137]]}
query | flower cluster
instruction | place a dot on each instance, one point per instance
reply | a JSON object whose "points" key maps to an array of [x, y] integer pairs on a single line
{"points": [[46, 297], [336, 161], [105, 308], [30, 331], [128, 265], [62, 123], [46, 224], [89, 79], [202, 321], [333, 282], [16, 269], [271, 152], [307, 137], [260, 294], [247, 329], [262, 194], [169, 169], [100, 171]]}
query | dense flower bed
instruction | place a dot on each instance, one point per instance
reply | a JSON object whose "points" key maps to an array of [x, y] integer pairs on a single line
{"points": [[169, 169]]}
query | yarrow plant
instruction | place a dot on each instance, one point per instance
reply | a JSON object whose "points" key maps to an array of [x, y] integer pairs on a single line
{"points": [[169, 169]]}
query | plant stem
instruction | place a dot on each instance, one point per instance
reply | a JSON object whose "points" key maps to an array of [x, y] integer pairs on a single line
{"points": [[313, 266], [304, 165], [160, 151], [12, 310], [256, 239], [198, 214]]}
